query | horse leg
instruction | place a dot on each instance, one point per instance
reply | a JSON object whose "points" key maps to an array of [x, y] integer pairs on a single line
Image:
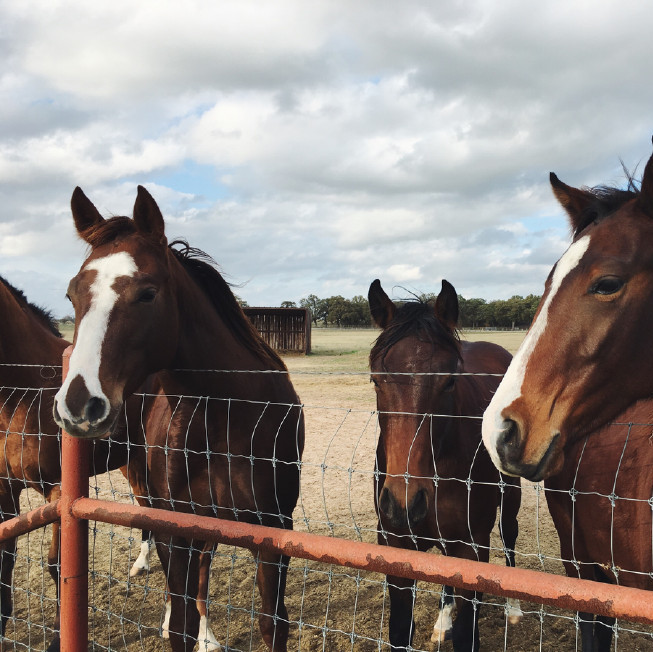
{"points": [[402, 626], [182, 569], [586, 627], [54, 561], [444, 621], [9, 507], [206, 638], [464, 633], [142, 563], [509, 530], [603, 633], [271, 574]]}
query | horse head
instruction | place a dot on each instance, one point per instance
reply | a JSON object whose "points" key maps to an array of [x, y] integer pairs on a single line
{"points": [[588, 353], [125, 327], [412, 365]]}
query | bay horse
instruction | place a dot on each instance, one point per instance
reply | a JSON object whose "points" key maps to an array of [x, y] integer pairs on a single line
{"points": [[143, 307], [30, 372], [31, 350], [585, 362], [436, 485]]}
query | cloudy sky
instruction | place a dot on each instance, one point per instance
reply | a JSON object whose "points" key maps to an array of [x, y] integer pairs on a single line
{"points": [[311, 147]]}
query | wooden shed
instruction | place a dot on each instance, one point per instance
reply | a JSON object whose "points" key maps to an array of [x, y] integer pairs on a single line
{"points": [[284, 329]]}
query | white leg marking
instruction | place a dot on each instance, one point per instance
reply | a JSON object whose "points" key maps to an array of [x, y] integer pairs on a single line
{"points": [[444, 623], [513, 611], [510, 387], [207, 641], [142, 563], [166, 620], [86, 356]]}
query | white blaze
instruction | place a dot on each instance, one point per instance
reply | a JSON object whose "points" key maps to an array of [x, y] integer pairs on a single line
{"points": [[510, 387], [91, 330]]}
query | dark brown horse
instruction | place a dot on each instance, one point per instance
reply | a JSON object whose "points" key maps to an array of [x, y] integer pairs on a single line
{"points": [[144, 307], [585, 360], [436, 484]]}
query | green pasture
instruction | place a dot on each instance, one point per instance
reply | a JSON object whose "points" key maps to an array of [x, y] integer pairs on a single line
{"points": [[335, 349]]}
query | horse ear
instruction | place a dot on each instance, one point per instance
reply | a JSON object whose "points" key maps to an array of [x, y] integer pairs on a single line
{"points": [[446, 305], [381, 307], [645, 199], [85, 214], [147, 216], [573, 200]]}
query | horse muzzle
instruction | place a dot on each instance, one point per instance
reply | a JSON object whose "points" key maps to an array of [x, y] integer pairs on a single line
{"points": [[514, 450], [403, 514], [93, 420]]}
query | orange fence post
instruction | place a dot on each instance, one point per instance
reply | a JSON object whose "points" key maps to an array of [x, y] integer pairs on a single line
{"points": [[74, 540]]}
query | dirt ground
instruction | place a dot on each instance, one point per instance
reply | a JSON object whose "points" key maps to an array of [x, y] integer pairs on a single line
{"points": [[330, 608]]}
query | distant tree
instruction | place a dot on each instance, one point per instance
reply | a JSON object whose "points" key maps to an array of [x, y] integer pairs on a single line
{"points": [[357, 312], [311, 302], [242, 302], [288, 304]]}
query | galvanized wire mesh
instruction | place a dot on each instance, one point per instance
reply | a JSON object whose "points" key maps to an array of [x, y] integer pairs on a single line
{"points": [[330, 607]]}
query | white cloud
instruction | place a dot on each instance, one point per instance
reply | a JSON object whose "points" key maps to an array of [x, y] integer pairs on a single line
{"points": [[345, 141]]}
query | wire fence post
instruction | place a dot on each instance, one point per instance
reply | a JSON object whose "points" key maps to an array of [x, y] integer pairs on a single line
{"points": [[74, 539]]}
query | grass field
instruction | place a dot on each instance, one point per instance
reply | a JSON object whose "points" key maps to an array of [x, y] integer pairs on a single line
{"points": [[335, 349]]}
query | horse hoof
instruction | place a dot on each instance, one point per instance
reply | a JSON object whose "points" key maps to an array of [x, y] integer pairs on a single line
{"points": [[440, 635], [135, 572], [513, 611], [207, 640], [444, 623]]}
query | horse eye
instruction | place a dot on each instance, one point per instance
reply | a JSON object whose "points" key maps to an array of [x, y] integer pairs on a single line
{"points": [[374, 380], [607, 285], [147, 295]]}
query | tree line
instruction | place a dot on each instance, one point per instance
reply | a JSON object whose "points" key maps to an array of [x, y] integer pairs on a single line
{"points": [[514, 313]]}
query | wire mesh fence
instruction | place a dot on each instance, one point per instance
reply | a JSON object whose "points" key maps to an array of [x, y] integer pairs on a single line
{"points": [[329, 607]]}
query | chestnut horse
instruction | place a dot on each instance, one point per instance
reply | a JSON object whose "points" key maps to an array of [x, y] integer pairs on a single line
{"points": [[584, 361], [585, 358], [600, 505], [436, 484], [143, 307]]}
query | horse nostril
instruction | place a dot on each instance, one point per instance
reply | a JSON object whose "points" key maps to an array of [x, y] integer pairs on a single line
{"points": [[418, 508], [388, 504], [95, 409], [510, 434]]}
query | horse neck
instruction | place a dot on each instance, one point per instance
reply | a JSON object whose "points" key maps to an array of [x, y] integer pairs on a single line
{"points": [[24, 340], [207, 343]]}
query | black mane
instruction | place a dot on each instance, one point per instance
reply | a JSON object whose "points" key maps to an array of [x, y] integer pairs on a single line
{"points": [[415, 318], [201, 267], [43, 315], [607, 201]]}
